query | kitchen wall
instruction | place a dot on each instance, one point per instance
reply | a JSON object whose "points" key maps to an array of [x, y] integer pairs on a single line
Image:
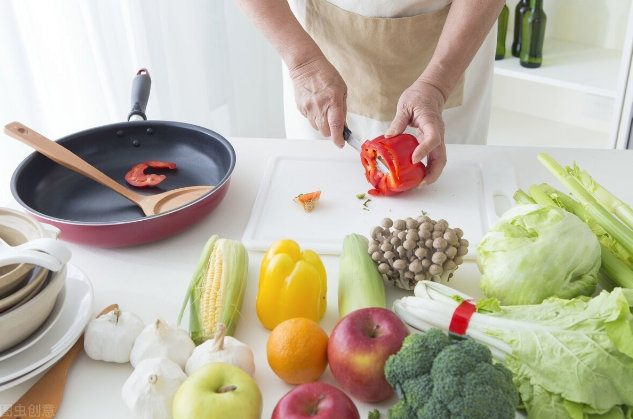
{"points": [[601, 23]]}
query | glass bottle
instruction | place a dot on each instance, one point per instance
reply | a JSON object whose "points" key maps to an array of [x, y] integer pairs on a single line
{"points": [[502, 30], [533, 35], [519, 11]]}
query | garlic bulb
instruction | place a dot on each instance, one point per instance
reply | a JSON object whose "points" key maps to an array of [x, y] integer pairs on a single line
{"points": [[160, 340], [222, 348], [149, 390], [110, 337]]}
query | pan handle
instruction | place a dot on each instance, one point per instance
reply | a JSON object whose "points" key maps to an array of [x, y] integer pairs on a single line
{"points": [[140, 94]]}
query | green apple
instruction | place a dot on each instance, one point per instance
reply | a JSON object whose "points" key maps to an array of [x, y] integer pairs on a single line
{"points": [[218, 390]]}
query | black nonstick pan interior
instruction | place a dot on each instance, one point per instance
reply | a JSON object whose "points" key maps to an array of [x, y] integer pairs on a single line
{"points": [[203, 158]]}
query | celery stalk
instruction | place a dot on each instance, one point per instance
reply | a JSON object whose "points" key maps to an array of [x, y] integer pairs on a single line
{"points": [[540, 197], [615, 268], [520, 197], [605, 281], [618, 230], [609, 201]]}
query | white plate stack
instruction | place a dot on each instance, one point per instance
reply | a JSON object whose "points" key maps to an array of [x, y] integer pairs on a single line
{"points": [[59, 332], [45, 302]]}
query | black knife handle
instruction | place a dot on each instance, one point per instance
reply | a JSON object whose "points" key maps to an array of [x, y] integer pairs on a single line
{"points": [[346, 133]]}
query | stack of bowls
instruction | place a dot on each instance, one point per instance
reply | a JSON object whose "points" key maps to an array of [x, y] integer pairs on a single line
{"points": [[27, 291], [45, 301]]}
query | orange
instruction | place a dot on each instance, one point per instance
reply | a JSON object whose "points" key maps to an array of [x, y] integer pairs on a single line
{"points": [[297, 350]]}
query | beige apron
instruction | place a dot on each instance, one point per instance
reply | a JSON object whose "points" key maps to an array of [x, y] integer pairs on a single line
{"points": [[377, 57]]}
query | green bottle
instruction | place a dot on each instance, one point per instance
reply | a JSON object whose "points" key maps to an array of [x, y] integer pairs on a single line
{"points": [[533, 35], [519, 11], [502, 29]]}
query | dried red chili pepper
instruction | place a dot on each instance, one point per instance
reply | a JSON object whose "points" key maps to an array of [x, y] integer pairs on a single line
{"points": [[136, 176], [395, 153]]}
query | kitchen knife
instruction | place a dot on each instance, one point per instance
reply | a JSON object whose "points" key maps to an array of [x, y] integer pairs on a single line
{"points": [[357, 144]]}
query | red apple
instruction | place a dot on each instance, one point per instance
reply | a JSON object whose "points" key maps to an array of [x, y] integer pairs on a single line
{"points": [[359, 345], [315, 400]]}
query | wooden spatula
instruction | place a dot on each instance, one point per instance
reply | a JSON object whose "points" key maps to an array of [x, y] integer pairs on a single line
{"points": [[149, 204], [43, 399]]}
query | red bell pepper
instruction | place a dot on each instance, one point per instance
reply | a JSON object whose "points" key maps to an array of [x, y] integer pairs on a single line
{"points": [[395, 153], [136, 175]]}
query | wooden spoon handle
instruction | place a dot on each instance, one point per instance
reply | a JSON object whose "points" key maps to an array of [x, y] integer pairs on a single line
{"points": [[43, 399], [65, 157]]}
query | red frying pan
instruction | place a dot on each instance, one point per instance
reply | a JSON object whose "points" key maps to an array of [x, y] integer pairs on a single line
{"points": [[89, 213]]}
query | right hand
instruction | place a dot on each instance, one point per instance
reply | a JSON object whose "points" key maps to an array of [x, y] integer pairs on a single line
{"points": [[321, 96]]}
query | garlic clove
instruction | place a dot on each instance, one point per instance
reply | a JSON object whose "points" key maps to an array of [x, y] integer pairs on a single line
{"points": [[222, 348], [161, 340], [149, 390], [110, 337]]}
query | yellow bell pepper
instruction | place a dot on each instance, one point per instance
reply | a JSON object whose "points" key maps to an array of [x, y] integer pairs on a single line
{"points": [[292, 284]]}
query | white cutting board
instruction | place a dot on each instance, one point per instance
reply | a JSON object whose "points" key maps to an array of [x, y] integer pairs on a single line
{"points": [[467, 196]]}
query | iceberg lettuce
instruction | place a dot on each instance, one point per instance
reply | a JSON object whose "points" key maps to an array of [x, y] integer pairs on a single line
{"points": [[536, 251]]}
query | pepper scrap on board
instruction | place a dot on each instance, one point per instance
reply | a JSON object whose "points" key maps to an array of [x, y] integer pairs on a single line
{"points": [[308, 200]]}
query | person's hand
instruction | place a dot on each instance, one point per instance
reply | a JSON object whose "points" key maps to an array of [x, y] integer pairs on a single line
{"points": [[420, 106], [321, 96]]}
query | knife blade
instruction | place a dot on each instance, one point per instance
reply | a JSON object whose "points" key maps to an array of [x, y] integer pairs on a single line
{"points": [[357, 144]]}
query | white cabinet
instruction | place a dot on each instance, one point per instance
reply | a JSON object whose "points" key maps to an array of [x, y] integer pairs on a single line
{"points": [[582, 95]]}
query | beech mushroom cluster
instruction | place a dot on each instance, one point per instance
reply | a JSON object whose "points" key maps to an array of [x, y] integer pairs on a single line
{"points": [[415, 249]]}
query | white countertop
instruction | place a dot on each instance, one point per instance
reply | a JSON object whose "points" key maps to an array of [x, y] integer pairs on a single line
{"points": [[151, 279]]}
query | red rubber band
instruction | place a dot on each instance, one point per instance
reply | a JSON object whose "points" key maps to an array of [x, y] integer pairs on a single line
{"points": [[461, 317]]}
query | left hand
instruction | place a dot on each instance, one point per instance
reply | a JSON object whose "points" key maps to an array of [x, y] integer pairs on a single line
{"points": [[420, 106]]}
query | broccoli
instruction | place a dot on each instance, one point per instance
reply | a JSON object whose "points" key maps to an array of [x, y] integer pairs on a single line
{"points": [[436, 377], [401, 410], [422, 348]]}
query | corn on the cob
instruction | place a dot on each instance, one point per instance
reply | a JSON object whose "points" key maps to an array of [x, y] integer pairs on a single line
{"points": [[360, 284], [216, 290]]}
